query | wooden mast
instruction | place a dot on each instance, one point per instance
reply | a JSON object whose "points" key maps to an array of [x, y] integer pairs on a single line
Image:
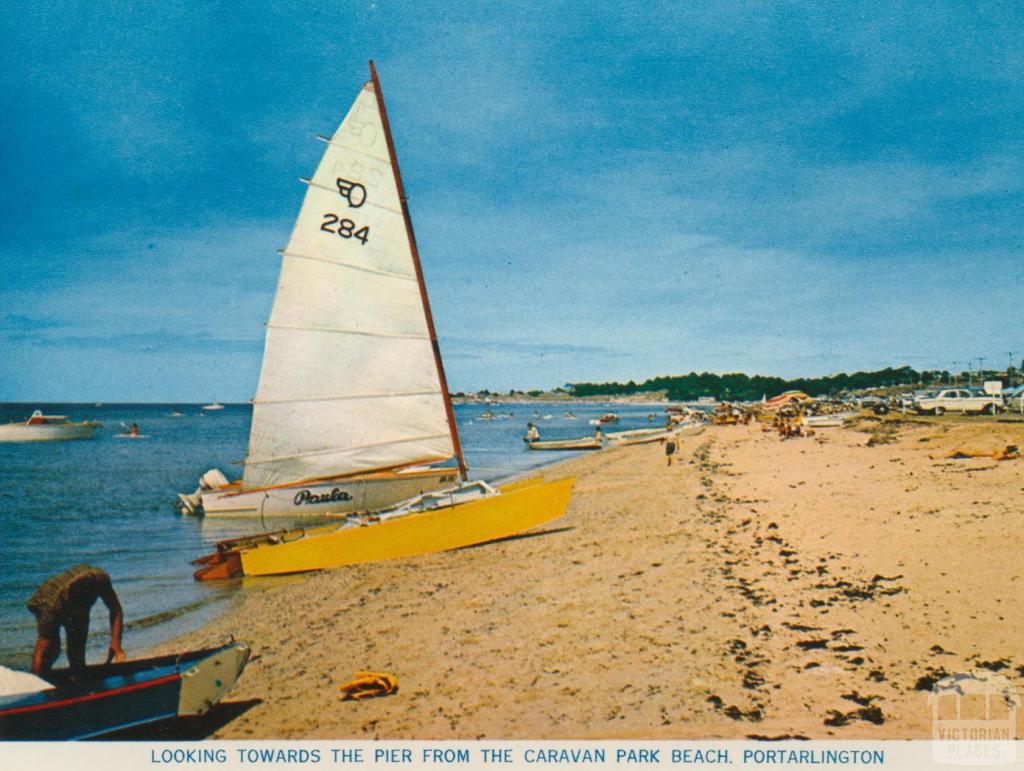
{"points": [[452, 427]]}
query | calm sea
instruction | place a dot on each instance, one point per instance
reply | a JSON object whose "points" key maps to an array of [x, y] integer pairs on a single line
{"points": [[108, 501]]}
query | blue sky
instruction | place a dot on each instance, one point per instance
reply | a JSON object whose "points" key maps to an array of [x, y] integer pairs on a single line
{"points": [[600, 190]]}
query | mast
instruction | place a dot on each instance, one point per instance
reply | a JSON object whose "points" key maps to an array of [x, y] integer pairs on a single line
{"points": [[453, 428]]}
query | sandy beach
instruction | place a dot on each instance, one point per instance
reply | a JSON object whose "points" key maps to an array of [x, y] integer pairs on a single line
{"points": [[757, 587]]}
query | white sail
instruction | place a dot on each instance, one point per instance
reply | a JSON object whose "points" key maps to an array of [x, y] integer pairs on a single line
{"points": [[349, 380]]}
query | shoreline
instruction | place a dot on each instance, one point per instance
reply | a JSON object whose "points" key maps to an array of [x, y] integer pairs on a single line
{"points": [[756, 588]]}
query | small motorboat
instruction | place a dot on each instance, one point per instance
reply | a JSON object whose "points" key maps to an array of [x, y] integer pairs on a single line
{"points": [[47, 428], [585, 443], [609, 417], [214, 406], [106, 698]]}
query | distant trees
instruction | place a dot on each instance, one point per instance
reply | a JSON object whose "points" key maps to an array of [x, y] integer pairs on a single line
{"points": [[740, 387]]}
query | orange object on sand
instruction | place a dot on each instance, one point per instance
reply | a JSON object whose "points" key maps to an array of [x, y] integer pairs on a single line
{"points": [[365, 685]]}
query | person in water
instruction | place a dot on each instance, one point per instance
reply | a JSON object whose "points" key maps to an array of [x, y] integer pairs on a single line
{"points": [[532, 434], [65, 601], [134, 430]]}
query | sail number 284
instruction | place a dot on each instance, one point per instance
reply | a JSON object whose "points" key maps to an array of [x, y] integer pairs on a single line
{"points": [[344, 227]]}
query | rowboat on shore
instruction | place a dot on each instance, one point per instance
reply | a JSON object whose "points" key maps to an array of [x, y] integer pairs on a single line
{"points": [[584, 443], [47, 428], [106, 698], [352, 414], [646, 435], [825, 421]]}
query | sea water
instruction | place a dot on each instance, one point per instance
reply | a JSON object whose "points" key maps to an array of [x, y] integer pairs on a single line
{"points": [[109, 501]]}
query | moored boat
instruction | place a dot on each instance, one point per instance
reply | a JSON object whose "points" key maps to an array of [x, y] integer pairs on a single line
{"points": [[47, 428], [106, 698]]}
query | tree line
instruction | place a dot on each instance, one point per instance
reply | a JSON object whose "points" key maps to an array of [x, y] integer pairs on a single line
{"points": [[737, 386]]}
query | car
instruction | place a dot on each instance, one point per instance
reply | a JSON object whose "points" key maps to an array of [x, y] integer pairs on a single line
{"points": [[1014, 399], [957, 400]]}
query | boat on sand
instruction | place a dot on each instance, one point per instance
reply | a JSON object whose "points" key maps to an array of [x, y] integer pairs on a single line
{"points": [[352, 407], [47, 428], [109, 697], [584, 443], [465, 515], [828, 421], [646, 435]]}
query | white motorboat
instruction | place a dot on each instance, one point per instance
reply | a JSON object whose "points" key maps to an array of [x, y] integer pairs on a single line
{"points": [[47, 428]]}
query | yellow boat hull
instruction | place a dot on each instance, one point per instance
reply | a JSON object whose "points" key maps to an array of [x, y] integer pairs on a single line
{"points": [[519, 507]]}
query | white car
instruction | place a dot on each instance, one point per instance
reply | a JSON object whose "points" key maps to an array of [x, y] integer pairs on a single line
{"points": [[957, 400], [1015, 400]]}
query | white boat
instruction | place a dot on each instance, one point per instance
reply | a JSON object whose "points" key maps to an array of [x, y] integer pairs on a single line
{"points": [[352, 403], [646, 435], [584, 443], [214, 406], [47, 428], [825, 421], [352, 412]]}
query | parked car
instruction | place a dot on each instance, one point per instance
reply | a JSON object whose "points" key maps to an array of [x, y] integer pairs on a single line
{"points": [[1014, 399], [958, 400]]}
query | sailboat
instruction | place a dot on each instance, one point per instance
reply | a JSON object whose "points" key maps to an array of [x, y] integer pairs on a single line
{"points": [[352, 409]]}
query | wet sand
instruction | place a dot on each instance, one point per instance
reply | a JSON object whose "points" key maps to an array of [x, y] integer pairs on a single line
{"points": [[758, 587]]}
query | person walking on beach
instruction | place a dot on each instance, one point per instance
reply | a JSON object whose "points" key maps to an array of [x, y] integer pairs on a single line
{"points": [[670, 449], [65, 601]]}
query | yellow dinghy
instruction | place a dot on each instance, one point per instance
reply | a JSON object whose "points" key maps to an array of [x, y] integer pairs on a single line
{"points": [[439, 521]]}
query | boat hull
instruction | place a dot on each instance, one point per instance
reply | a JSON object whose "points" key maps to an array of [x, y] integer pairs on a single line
{"points": [[371, 492], [112, 697], [828, 421], [517, 507], [22, 432], [568, 444], [645, 436]]}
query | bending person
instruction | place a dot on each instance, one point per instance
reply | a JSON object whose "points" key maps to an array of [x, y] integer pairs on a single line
{"points": [[65, 601]]}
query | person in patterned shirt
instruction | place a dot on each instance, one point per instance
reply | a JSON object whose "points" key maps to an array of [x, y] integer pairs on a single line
{"points": [[65, 601]]}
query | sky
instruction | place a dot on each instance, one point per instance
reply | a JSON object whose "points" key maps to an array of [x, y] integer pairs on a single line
{"points": [[600, 190]]}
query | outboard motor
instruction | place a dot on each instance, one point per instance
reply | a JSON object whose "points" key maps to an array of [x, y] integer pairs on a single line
{"points": [[189, 504]]}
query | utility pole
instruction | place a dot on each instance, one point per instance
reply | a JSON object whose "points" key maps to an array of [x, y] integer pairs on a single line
{"points": [[1009, 367], [981, 370], [954, 373]]}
